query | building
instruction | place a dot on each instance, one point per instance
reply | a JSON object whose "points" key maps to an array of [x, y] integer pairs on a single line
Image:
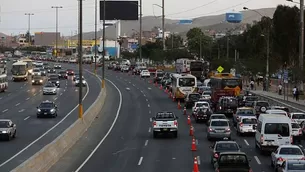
{"points": [[46, 38]]}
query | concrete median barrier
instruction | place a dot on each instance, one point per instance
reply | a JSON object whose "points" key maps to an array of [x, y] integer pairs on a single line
{"points": [[43, 160]]}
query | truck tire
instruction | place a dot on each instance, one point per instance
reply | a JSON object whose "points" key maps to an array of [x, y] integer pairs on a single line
{"points": [[154, 134], [176, 134]]}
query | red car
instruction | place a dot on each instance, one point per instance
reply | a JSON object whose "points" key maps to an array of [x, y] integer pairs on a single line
{"points": [[70, 72]]}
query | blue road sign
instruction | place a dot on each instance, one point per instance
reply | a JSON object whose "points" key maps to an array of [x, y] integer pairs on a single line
{"points": [[134, 46], [285, 75], [185, 22]]}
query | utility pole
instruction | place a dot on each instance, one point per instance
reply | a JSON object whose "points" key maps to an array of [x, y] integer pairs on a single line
{"points": [[267, 55], [95, 37], [200, 46], [29, 26], [80, 55], [140, 40], [104, 32], [163, 29], [56, 38], [301, 44], [173, 41], [228, 47]]}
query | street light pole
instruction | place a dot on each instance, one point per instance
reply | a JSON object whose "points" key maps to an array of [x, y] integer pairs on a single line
{"points": [[29, 25], [104, 32], [301, 45], [163, 22], [95, 37], [140, 40], [56, 37], [80, 53]]}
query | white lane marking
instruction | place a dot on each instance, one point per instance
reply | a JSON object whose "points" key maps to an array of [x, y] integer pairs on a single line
{"points": [[147, 100], [76, 89], [148, 105], [246, 142], [0, 98], [47, 132], [21, 110], [198, 160], [149, 112], [35, 94], [150, 119], [55, 98], [28, 91], [64, 90], [24, 84], [27, 98], [5, 110], [144, 95], [146, 143], [21, 87], [17, 104], [141, 91], [129, 82], [127, 88], [26, 118], [9, 94], [133, 85], [149, 130], [109, 131], [149, 88], [140, 160], [60, 94], [257, 160]]}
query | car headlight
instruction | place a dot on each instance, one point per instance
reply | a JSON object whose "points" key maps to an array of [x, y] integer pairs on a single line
{"points": [[4, 131], [40, 80], [31, 70], [33, 81], [57, 82], [52, 110], [38, 110], [84, 81], [77, 82]]}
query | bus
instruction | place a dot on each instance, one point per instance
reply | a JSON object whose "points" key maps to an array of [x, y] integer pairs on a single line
{"points": [[19, 71], [182, 65], [183, 84], [197, 68], [226, 81], [3, 82], [29, 66]]}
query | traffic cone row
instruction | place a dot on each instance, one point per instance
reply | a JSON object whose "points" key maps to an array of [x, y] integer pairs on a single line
{"points": [[184, 111], [193, 148], [179, 105], [195, 168], [188, 120], [191, 130]]}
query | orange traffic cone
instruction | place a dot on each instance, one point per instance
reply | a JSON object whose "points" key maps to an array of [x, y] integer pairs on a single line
{"points": [[169, 94], [188, 120], [174, 98], [195, 168], [179, 105], [184, 111], [191, 131], [166, 90], [156, 84], [193, 145], [161, 87]]}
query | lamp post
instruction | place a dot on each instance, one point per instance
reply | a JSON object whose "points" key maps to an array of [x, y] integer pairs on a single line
{"points": [[80, 54], [95, 37], [267, 36], [29, 26], [104, 32], [56, 38], [301, 42], [163, 22]]}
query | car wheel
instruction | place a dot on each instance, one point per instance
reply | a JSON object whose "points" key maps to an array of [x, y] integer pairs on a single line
{"points": [[175, 134], [38, 116], [14, 136], [271, 163], [9, 137], [155, 134]]}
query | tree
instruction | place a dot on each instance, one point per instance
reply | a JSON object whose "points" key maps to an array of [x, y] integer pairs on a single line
{"points": [[128, 55], [198, 42], [174, 41]]}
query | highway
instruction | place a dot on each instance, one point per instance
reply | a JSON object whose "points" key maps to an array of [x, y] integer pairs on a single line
{"points": [[130, 146], [19, 104]]}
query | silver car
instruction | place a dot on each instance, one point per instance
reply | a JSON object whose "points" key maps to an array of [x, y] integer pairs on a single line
{"points": [[7, 129], [219, 129], [49, 88]]}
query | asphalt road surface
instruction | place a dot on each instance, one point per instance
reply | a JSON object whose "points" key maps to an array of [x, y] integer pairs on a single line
{"points": [[19, 104]]}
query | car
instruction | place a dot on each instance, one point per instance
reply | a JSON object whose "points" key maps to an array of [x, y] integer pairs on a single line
{"points": [[47, 109], [296, 132], [145, 74], [292, 166], [165, 123], [206, 94], [202, 114], [62, 74], [217, 116], [242, 111], [77, 82], [36, 71], [219, 129], [8, 129], [49, 88], [284, 153], [57, 66], [227, 105], [37, 80], [190, 99], [232, 161], [110, 66], [76, 75], [51, 70], [286, 109], [246, 125], [158, 76], [276, 112], [39, 64], [70, 72], [223, 146], [125, 68], [248, 99], [53, 78], [260, 106], [43, 71], [200, 104], [298, 117]]}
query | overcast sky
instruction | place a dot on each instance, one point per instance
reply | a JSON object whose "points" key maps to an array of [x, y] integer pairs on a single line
{"points": [[14, 21]]}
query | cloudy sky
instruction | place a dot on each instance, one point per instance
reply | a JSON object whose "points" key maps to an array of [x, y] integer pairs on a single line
{"points": [[14, 21]]}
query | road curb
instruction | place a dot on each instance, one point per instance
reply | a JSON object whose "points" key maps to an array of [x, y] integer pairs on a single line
{"points": [[43, 160]]}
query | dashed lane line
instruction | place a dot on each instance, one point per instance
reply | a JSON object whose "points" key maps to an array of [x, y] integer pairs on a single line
{"points": [[147, 100], [17, 104], [246, 142], [27, 98], [198, 160], [146, 143], [21, 110], [26, 118], [150, 119], [148, 105], [4, 110], [257, 160], [149, 129], [140, 160]]}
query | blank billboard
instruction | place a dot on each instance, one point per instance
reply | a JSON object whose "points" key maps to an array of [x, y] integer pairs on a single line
{"points": [[119, 10]]}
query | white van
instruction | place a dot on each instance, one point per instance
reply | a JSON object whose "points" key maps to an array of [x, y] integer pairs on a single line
{"points": [[276, 112], [272, 131]]}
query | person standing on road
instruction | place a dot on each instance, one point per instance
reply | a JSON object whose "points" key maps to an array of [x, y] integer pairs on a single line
{"points": [[252, 84], [280, 89], [297, 93], [294, 90]]}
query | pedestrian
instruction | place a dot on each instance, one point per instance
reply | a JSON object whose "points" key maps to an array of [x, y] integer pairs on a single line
{"points": [[280, 89], [297, 93], [252, 84], [264, 85], [294, 90], [247, 90]]}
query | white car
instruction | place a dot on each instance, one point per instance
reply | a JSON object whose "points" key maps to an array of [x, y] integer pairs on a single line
{"points": [[36, 71], [39, 64], [199, 104], [247, 124], [57, 66], [145, 73], [286, 152], [206, 94], [276, 112], [298, 117]]}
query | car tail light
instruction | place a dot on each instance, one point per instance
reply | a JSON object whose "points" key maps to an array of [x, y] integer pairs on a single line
{"points": [[291, 139], [280, 159], [300, 131], [154, 123], [210, 129], [262, 138], [217, 170], [175, 123], [303, 158], [228, 130], [216, 156], [250, 170], [240, 124]]}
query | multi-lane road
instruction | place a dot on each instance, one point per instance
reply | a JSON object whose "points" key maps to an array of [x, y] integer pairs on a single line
{"points": [[121, 138], [19, 104]]}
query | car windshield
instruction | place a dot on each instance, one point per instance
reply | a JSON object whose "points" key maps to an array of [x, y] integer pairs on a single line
{"points": [[295, 125], [36, 70], [226, 147], [298, 116], [262, 104], [290, 151], [219, 123], [245, 112], [218, 117], [4, 124], [249, 121], [46, 105], [233, 159], [296, 166], [194, 96], [49, 85], [281, 129], [202, 104], [36, 77], [207, 93], [187, 82]]}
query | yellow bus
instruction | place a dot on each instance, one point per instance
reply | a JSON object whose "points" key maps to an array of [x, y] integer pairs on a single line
{"points": [[226, 81], [183, 84]]}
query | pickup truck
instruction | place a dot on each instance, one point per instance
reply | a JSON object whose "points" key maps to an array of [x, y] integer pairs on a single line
{"points": [[165, 123], [232, 161]]}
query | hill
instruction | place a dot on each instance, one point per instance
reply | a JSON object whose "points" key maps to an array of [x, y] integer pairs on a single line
{"points": [[215, 22]]}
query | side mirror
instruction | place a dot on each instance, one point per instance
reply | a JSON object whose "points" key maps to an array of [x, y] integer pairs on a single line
{"points": [[249, 159], [240, 146], [177, 117], [12, 125]]}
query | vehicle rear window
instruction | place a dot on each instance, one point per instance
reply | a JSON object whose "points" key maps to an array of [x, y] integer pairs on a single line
{"points": [[219, 123], [245, 111], [218, 117], [227, 147], [194, 96], [251, 98], [233, 159], [36, 70], [296, 166], [277, 128], [298, 116], [46, 105], [262, 104], [295, 125], [290, 151], [165, 115], [249, 121], [202, 104]]}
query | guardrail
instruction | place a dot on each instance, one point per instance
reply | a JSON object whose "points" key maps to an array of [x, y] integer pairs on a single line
{"points": [[44, 159]]}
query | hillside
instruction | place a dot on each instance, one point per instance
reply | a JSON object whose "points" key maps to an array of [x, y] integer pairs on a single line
{"points": [[215, 22], [2, 35]]}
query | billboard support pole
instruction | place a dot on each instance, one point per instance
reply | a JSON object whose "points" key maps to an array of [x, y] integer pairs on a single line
{"points": [[163, 20], [95, 37], [104, 32], [119, 35], [140, 35]]}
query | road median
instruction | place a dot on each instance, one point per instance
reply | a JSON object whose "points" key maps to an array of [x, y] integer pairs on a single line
{"points": [[44, 159]]}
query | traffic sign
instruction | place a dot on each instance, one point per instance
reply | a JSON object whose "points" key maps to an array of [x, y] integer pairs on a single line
{"points": [[285, 76], [185, 22], [220, 69], [233, 71]]}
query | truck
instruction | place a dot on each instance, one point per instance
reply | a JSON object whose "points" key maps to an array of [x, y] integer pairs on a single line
{"points": [[165, 123]]}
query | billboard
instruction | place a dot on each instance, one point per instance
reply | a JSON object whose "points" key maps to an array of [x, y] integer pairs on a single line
{"points": [[119, 10], [234, 17], [185, 22]]}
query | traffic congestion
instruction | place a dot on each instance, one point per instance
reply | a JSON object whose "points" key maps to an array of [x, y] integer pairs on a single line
{"points": [[242, 131]]}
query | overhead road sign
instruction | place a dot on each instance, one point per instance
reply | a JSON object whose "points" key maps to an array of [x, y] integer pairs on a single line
{"points": [[220, 69]]}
